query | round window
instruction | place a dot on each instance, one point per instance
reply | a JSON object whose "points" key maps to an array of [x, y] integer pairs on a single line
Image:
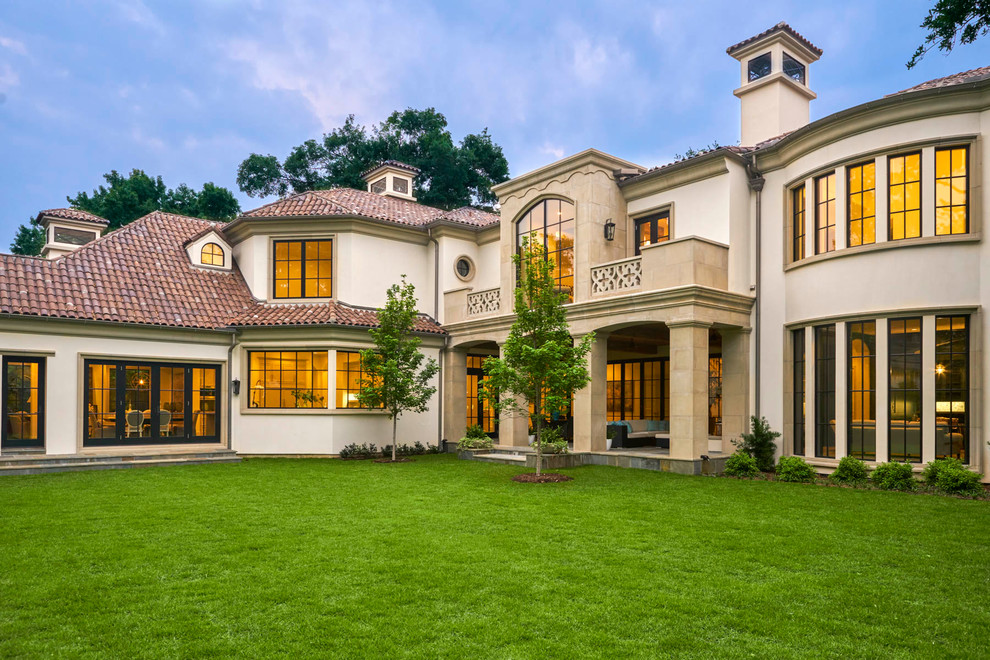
{"points": [[463, 266]]}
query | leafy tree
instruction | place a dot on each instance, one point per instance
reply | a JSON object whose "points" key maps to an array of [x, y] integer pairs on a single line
{"points": [[399, 374], [542, 367], [29, 239], [953, 22], [761, 443], [124, 199], [453, 175]]}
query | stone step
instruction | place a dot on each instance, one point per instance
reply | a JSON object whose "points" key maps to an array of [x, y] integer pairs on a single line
{"points": [[42, 465], [507, 459]]}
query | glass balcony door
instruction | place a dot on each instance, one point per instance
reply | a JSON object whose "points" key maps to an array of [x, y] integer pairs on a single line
{"points": [[23, 403]]}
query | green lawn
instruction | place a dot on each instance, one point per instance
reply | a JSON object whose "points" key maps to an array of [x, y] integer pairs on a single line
{"points": [[450, 558]]}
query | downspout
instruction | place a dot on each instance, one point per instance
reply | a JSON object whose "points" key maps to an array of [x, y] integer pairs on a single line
{"points": [[756, 182], [436, 317]]}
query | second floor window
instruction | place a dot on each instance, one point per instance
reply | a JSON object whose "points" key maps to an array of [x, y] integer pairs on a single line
{"points": [[905, 196], [550, 223], [861, 187], [825, 214], [797, 229], [212, 255], [652, 229], [951, 204], [303, 269]]}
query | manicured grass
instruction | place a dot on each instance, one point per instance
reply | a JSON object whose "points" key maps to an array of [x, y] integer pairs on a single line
{"points": [[450, 558]]}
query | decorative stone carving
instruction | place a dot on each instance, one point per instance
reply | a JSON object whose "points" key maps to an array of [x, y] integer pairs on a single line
{"points": [[617, 277], [483, 302]]}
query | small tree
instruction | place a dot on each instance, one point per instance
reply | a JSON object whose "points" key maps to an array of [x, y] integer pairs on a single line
{"points": [[541, 367], [398, 374], [761, 444]]}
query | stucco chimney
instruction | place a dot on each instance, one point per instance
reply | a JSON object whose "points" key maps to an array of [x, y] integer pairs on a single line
{"points": [[774, 95], [392, 179]]}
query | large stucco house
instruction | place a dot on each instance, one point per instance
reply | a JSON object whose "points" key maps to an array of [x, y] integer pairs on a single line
{"points": [[828, 275]]}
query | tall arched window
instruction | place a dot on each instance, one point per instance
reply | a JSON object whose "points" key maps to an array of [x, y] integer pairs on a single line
{"points": [[550, 223], [212, 255]]}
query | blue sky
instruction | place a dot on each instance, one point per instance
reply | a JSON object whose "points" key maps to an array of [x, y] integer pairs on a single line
{"points": [[188, 89]]}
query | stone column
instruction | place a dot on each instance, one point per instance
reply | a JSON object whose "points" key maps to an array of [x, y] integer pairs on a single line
{"points": [[688, 388], [513, 428], [735, 385], [454, 394], [590, 404]]}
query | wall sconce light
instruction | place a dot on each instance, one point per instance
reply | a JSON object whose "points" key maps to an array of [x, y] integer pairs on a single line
{"points": [[939, 369], [609, 230], [235, 386]]}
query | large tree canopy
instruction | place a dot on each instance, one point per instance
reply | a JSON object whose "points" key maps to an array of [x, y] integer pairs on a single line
{"points": [[953, 22], [125, 199], [453, 175]]}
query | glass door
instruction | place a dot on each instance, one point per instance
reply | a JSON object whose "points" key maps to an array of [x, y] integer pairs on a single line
{"points": [[23, 403]]}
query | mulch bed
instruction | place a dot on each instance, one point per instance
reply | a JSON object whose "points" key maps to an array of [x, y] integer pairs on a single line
{"points": [[389, 460], [545, 478]]}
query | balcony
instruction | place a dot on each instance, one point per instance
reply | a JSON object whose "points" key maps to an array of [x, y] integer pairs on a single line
{"points": [[465, 304], [682, 262]]}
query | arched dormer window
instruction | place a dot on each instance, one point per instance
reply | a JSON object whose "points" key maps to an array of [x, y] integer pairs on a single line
{"points": [[212, 255], [550, 223]]}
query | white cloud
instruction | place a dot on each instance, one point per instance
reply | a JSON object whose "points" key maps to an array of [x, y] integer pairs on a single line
{"points": [[552, 150], [13, 45], [135, 11], [8, 77]]}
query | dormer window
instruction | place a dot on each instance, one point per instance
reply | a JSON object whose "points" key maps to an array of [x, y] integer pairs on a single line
{"points": [[212, 255], [73, 236], [793, 69], [378, 187], [759, 67]]}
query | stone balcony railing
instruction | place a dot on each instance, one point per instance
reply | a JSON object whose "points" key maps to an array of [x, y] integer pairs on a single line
{"points": [[465, 304], [682, 262]]}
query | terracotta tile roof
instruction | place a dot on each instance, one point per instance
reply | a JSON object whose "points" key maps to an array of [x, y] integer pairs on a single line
{"points": [[393, 163], [732, 148], [141, 274], [779, 27], [973, 75], [73, 214], [351, 202], [332, 313]]}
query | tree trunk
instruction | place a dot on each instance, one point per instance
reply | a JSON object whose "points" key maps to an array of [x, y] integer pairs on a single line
{"points": [[395, 421], [539, 429]]}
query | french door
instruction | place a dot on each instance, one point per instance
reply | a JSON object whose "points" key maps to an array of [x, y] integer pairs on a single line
{"points": [[138, 403], [23, 403]]}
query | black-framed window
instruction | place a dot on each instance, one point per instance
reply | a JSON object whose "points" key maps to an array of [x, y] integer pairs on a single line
{"points": [[652, 229], [825, 213], [825, 391], [793, 68], [904, 385], [715, 395], [479, 410], [951, 191], [551, 224], [132, 402], [861, 204], [350, 374], [904, 196], [952, 387], [797, 344], [288, 379], [303, 269], [862, 381], [637, 389], [23, 402], [759, 67], [799, 214]]}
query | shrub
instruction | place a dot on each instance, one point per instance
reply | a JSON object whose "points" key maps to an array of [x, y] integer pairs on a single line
{"points": [[932, 470], [953, 478], [359, 451], [741, 464], [894, 476], [850, 471], [475, 431], [468, 442], [760, 444], [795, 469], [552, 441]]}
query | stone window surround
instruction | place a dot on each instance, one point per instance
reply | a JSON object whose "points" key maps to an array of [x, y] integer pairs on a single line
{"points": [[632, 219], [882, 318], [880, 156], [471, 272]]}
